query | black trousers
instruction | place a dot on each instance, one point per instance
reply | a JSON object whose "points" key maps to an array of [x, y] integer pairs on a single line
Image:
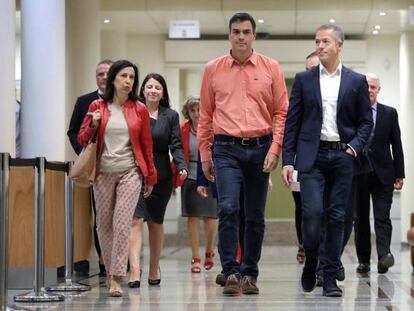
{"points": [[371, 187]]}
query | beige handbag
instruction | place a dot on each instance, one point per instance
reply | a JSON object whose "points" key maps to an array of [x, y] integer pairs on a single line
{"points": [[83, 170]]}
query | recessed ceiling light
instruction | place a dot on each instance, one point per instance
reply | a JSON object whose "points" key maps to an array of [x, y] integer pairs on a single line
{"points": [[375, 32], [378, 27], [107, 21], [260, 20], [332, 20], [382, 13]]}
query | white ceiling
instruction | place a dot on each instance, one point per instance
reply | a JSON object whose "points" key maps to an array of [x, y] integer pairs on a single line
{"points": [[282, 17]]}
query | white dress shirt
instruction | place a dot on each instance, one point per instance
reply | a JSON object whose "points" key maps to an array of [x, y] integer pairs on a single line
{"points": [[329, 91]]}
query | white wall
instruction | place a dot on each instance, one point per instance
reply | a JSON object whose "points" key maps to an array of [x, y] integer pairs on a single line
{"points": [[147, 52]]}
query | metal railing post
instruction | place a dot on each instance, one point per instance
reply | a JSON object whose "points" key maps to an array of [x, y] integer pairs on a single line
{"points": [[39, 293], [69, 285], [4, 233], [4, 222]]}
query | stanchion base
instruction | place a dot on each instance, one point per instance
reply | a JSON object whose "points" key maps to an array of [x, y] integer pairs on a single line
{"points": [[68, 287], [41, 296], [12, 308]]}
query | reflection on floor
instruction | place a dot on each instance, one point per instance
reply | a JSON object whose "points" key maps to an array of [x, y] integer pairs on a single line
{"points": [[278, 282]]}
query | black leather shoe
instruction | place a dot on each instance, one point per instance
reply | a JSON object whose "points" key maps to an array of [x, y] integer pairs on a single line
{"points": [[308, 279], [137, 283], [363, 268], [330, 289], [134, 284], [340, 274], [221, 279], [319, 280], [385, 262], [155, 281]]}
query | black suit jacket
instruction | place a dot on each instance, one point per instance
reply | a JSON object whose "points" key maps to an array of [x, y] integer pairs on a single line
{"points": [[166, 137], [79, 112], [304, 119], [387, 165]]}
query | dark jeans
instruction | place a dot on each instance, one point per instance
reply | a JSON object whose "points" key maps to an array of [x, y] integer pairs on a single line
{"points": [[381, 194], [336, 169], [238, 166], [348, 225]]}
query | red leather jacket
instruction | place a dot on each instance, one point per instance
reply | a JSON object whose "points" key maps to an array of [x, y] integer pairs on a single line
{"points": [[137, 118], [185, 140]]}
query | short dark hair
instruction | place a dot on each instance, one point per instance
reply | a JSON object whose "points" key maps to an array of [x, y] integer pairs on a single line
{"points": [[339, 33], [242, 17], [165, 99], [189, 103], [311, 55], [113, 71]]}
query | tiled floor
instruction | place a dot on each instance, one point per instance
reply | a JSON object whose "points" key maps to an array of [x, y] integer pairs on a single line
{"points": [[278, 283]]}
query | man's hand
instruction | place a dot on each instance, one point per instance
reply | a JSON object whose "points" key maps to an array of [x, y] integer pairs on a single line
{"points": [[350, 152], [270, 185], [208, 170], [147, 190], [201, 190], [270, 162], [399, 182], [287, 175]]}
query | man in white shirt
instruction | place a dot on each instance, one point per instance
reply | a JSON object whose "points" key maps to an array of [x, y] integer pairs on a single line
{"points": [[328, 123]]}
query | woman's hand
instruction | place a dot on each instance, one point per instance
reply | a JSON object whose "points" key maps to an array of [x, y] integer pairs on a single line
{"points": [[201, 190], [96, 117], [182, 174], [147, 190]]}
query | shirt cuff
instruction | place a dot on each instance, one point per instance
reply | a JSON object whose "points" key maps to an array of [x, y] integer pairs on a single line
{"points": [[353, 150]]}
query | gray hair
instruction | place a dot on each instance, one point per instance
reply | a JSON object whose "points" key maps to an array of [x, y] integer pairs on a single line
{"points": [[373, 76], [339, 33]]}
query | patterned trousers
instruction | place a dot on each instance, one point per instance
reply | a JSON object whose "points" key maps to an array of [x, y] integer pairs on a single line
{"points": [[116, 196]]}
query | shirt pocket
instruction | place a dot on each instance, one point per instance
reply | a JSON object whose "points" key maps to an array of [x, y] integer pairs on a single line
{"points": [[260, 85]]}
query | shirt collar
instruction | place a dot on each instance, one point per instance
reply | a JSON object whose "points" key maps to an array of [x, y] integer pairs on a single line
{"points": [[324, 71], [252, 59], [374, 106]]}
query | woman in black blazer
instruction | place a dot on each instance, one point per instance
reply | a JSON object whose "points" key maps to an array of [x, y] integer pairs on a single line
{"points": [[165, 129]]}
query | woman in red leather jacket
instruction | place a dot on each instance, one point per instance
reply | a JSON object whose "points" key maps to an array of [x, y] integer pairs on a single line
{"points": [[124, 157]]}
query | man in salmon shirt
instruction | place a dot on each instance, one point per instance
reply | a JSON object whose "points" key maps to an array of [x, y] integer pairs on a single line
{"points": [[243, 97]]}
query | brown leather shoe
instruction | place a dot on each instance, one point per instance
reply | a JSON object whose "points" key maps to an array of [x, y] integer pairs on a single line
{"points": [[232, 286], [248, 285]]}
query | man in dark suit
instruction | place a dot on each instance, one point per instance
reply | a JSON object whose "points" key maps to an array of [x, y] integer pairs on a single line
{"points": [[387, 173], [79, 112], [328, 124]]}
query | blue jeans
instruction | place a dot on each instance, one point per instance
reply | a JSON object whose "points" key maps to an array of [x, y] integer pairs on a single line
{"points": [[329, 179], [237, 166]]}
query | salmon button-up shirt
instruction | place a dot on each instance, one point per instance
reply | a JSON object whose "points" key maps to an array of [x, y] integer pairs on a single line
{"points": [[242, 100]]}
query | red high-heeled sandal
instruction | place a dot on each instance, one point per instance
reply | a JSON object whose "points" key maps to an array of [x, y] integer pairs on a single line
{"points": [[209, 262], [195, 269]]}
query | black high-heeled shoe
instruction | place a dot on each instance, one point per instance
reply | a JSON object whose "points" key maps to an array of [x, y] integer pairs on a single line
{"points": [[136, 284], [156, 281]]}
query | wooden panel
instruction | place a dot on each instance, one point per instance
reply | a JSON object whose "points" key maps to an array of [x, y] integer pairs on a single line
{"points": [[21, 217], [83, 224], [55, 218]]}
